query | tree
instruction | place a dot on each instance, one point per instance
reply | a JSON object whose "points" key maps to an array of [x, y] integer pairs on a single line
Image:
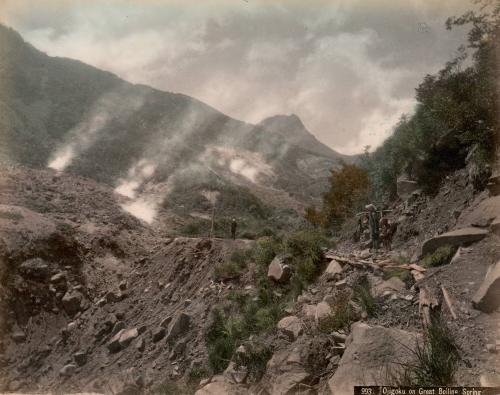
{"points": [[349, 190]]}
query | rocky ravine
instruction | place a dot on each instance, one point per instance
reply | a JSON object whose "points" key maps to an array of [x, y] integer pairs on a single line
{"points": [[94, 300]]}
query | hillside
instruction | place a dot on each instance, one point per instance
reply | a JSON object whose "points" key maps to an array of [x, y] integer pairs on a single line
{"points": [[148, 144]]}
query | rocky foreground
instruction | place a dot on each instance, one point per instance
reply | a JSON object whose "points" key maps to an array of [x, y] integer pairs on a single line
{"points": [[94, 300]]}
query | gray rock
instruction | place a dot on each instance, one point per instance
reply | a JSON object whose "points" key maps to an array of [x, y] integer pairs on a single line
{"points": [[333, 269], [36, 268], [140, 345], [369, 350], [179, 326], [164, 323], [459, 237], [68, 370], [127, 336], [80, 358], [117, 327], [18, 336], [114, 344], [487, 297], [114, 296], [394, 284], [58, 278], [405, 187], [278, 270], [291, 326], [158, 334], [323, 311], [72, 302]]}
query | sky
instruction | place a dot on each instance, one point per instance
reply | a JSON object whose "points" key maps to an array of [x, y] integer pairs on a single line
{"points": [[347, 68]]}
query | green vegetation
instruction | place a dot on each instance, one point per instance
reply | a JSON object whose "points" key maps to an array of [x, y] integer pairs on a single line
{"points": [[441, 256], [342, 317], [349, 190], [455, 120], [243, 315], [364, 297], [254, 359], [435, 361], [233, 267]]}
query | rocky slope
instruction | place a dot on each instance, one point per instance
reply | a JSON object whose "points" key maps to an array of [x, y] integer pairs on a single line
{"points": [[156, 147], [96, 300]]}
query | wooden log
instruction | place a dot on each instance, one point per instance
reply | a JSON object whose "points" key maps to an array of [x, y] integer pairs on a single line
{"points": [[428, 306], [447, 299]]}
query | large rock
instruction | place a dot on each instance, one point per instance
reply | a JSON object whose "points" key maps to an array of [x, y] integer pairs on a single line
{"points": [[394, 284], [72, 302], [323, 311], [494, 185], [487, 297], [480, 211], [35, 268], [222, 388], [278, 270], [333, 269], [127, 336], [456, 238], [370, 350], [285, 372], [180, 325], [291, 326], [405, 187]]}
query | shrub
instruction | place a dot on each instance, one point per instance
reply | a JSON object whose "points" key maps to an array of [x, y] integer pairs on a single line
{"points": [[342, 316], [254, 359], [441, 256], [234, 266], [364, 297], [435, 361], [266, 249]]}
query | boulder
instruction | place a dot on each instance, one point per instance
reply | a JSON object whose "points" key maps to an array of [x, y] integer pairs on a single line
{"points": [[72, 302], [278, 270], [405, 187], [68, 370], [291, 326], [127, 336], [158, 334], [333, 269], [365, 254], [180, 325], [459, 237], [114, 343], [493, 185], [369, 351], [309, 310], [480, 211], [285, 373], [35, 268], [394, 284], [18, 336], [80, 358], [487, 297], [222, 388], [323, 310]]}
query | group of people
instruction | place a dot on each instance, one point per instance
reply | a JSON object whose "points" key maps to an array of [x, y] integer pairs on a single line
{"points": [[377, 225]]}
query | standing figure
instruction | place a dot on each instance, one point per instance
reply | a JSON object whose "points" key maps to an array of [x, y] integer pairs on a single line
{"points": [[373, 223], [234, 225], [385, 232]]}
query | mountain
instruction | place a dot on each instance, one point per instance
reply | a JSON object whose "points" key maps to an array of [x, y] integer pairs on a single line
{"points": [[163, 150], [292, 128]]}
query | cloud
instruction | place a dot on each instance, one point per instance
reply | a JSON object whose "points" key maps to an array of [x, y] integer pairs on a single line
{"points": [[347, 68]]}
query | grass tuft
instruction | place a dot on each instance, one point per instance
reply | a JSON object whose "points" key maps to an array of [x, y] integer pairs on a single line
{"points": [[441, 256], [435, 361]]}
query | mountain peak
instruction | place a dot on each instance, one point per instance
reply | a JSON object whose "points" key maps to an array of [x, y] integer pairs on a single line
{"points": [[292, 128]]}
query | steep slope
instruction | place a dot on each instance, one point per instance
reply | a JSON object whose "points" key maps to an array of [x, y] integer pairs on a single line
{"points": [[147, 143], [292, 128]]}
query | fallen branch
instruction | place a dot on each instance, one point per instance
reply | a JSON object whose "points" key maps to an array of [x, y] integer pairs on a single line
{"points": [[447, 299], [428, 306]]}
